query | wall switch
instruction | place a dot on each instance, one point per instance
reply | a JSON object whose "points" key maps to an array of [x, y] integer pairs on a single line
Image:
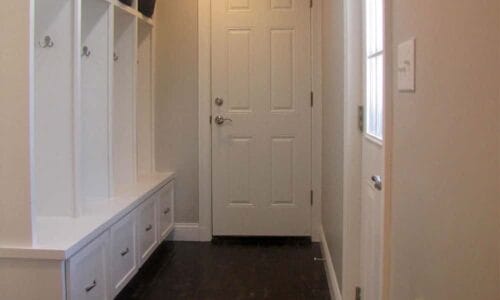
{"points": [[406, 66]]}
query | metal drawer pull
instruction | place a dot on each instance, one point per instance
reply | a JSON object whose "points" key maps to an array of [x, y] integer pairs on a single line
{"points": [[91, 287], [149, 227], [166, 211], [123, 253]]}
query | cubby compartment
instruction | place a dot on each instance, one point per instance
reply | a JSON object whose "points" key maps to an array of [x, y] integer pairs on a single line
{"points": [[145, 106], [96, 89], [123, 107], [53, 173]]}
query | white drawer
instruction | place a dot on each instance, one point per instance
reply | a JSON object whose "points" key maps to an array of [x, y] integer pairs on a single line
{"points": [[87, 273], [165, 210], [146, 229], [123, 255]]}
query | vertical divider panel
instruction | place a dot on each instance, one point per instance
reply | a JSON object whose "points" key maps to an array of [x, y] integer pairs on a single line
{"points": [[53, 144], [96, 51], [123, 125], [111, 80], [145, 143], [77, 116], [153, 98]]}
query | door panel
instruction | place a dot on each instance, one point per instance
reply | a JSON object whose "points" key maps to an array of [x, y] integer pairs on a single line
{"points": [[261, 156], [371, 220]]}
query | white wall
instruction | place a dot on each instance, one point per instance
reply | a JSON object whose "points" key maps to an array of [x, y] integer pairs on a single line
{"points": [[177, 100], [445, 206], [333, 111]]}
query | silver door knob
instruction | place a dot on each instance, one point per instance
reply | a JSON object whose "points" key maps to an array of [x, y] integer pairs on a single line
{"points": [[377, 182], [219, 101], [219, 120]]}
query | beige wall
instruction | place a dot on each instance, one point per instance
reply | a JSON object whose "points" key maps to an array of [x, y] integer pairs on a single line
{"points": [[15, 204], [333, 97], [177, 100], [446, 165]]}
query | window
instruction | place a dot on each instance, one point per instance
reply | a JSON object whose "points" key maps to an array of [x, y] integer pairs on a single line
{"points": [[374, 67]]}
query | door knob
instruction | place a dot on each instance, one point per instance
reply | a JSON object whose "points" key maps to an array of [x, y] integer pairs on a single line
{"points": [[219, 120], [377, 182], [219, 101]]}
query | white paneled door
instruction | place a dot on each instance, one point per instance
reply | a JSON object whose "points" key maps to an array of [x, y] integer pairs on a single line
{"points": [[261, 108], [372, 170]]}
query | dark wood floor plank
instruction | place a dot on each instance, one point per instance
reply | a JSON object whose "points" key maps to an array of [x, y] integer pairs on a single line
{"points": [[232, 268]]}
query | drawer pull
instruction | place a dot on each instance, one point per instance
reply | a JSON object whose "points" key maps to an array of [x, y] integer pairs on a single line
{"points": [[166, 211], [91, 287], [123, 253], [149, 227]]}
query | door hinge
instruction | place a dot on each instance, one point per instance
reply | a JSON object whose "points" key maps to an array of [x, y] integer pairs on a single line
{"points": [[312, 197], [311, 3], [312, 99], [358, 293], [361, 118], [210, 119]]}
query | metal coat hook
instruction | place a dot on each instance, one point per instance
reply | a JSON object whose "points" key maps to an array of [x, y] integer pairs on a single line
{"points": [[47, 42], [86, 51], [115, 56]]}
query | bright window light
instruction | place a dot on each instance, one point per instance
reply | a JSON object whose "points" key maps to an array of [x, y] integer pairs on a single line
{"points": [[374, 90]]}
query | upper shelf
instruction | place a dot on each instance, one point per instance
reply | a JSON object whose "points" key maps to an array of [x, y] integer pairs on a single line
{"points": [[132, 11]]}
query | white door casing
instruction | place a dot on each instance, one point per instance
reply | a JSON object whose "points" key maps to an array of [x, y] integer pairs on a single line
{"points": [[261, 68]]}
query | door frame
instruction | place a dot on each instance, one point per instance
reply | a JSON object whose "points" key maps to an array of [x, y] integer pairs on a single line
{"points": [[205, 111]]}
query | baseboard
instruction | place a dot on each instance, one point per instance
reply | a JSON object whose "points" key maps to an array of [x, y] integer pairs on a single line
{"points": [[188, 232], [333, 282], [205, 234]]}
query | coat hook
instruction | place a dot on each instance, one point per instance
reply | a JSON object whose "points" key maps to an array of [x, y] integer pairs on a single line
{"points": [[47, 42], [86, 51], [115, 56]]}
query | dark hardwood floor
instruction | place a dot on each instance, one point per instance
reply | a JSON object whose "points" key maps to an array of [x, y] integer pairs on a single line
{"points": [[232, 268]]}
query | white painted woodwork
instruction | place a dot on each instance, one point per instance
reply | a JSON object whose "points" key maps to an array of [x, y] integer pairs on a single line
{"points": [[70, 142], [371, 220], [372, 158], [81, 242], [165, 211], [123, 107], [88, 272], [261, 67], [146, 229], [123, 258], [94, 106], [53, 169], [144, 106]]}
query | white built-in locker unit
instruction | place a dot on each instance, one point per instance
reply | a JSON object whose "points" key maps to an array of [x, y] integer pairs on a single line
{"points": [[96, 208]]}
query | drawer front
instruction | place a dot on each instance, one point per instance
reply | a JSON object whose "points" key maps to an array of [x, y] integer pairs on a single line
{"points": [[165, 210], [123, 255], [146, 229], [87, 273]]}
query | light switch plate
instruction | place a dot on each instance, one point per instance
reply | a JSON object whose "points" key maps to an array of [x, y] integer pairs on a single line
{"points": [[406, 66]]}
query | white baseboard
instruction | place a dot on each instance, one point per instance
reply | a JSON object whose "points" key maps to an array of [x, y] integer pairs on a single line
{"points": [[333, 283], [205, 234], [187, 232]]}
